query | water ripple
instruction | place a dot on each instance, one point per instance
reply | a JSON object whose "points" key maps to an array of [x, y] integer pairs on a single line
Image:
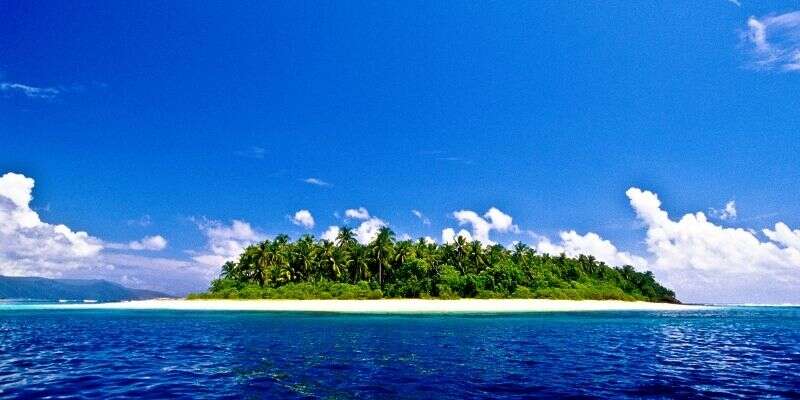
{"points": [[727, 353]]}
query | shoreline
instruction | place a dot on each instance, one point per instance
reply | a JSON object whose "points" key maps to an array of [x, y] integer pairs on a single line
{"points": [[388, 306]]}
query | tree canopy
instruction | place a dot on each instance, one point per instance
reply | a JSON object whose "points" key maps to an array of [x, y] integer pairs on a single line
{"points": [[344, 268]]}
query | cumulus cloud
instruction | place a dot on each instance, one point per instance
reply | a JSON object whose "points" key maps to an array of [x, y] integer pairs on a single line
{"points": [[784, 235], [32, 247], [316, 182], [331, 233], [705, 261], [303, 218], [171, 276], [29, 246], [449, 235], [359, 213], [492, 220], [421, 217], [225, 242], [364, 233], [574, 244], [151, 243], [727, 213], [368, 230], [774, 41], [702, 261], [29, 91]]}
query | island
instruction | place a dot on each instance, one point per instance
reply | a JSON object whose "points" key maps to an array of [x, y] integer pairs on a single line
{"points": [[344, 269], [67, 290]]}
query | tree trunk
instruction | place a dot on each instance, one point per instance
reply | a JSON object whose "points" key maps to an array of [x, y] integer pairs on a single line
{"points": [[380, 274]]}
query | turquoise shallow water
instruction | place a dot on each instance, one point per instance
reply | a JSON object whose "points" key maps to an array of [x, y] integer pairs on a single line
{"points": [[734, 352]]}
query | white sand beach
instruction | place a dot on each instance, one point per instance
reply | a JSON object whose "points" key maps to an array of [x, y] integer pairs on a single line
{"points": [[391, 306]]}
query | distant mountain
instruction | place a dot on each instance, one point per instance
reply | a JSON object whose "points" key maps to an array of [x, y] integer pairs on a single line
{"points": [[33, 288]]}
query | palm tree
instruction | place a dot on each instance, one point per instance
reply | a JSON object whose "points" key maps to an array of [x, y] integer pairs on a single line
{"points": [[426, 251], [359, 263], [460, 253], [495, 254], [402, 251], [273, 261], [332, 260], [476, 257], [230, 270], [346, 237], [303, 257], [249, 263], [520, 251], [382, 248], [592, 264], [281, 240]]}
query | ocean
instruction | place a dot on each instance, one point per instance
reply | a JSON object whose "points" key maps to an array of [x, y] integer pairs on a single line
{"points": [[731, 352]]}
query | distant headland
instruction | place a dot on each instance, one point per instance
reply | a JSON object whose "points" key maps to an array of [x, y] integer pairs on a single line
{"points": [[385, 268], [44, 289]]}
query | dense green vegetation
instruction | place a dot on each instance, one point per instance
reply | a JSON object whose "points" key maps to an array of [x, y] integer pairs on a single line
{"points": [[346, 269]]}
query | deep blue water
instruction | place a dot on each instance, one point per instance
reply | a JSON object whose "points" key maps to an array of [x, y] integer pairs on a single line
{"points": [[724, 353]]}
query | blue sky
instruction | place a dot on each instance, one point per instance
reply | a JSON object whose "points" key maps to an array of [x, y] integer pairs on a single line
{"points": [[167, 120]]}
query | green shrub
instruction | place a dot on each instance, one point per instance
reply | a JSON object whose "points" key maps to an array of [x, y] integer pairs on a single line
{"points": [[445, 293], [522, 293]]}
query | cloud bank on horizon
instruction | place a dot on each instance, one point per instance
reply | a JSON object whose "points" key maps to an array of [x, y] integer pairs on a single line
{"points": [[701, 260], [32, 247]]}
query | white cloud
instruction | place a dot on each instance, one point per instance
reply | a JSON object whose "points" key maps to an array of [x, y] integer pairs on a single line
{"points": [[29, 246], [368, 230], [492, 220], [737, 3], [708, 262], [365, 232], [29, 91], [303, 218], [421, 217], [702, 261], [225, 242], [730, 211], [429, 240], [163, 274], [331, 234], [32, 247], [316, 182], [784, 235], [573, 244], [449, 235], [150, 243], [153, 243], [727, 213], [775, 41], [359, 213]]}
